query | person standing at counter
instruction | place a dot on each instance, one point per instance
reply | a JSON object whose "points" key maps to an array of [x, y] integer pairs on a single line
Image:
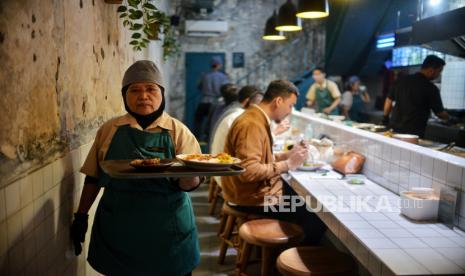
{"points": [[354, 100], [323, 93], [145, 226], [209, 85], [250, 140], [412, 98]]}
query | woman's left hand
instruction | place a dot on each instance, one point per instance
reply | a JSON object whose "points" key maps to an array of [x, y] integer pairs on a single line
{"points": [[189, 183]]}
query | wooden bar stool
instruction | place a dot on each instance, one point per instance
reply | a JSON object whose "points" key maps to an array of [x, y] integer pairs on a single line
{"points": [[310, 260], [231, 220], [214, 195], [271, 236]]}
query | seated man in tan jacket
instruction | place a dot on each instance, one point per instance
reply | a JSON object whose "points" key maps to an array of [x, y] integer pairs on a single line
{"points": [[250, 140]]}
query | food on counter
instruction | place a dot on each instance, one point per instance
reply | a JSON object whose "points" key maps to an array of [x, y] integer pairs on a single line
{"points": [[409, 138], [145, 162], [356, 181], [388, 133], [222, 158]]}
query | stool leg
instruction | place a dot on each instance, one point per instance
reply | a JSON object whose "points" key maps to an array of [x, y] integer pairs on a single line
{"points": [[268, 255], [214, 200], [244, 259], [211, 189], [226, 235], [224, 218]]}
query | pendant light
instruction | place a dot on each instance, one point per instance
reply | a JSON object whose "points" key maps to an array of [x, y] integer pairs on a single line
{"points": [[312, 8], [287, 21], [270, 29]]}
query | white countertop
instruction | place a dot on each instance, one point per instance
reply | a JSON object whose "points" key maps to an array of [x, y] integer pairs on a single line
{"points": [[385, 242]]}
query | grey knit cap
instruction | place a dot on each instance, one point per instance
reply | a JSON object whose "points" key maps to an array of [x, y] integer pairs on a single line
{"points": [[143, 71]]}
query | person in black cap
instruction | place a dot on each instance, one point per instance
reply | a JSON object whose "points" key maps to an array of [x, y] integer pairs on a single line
{"points": [[412, 98], [144, 226]]}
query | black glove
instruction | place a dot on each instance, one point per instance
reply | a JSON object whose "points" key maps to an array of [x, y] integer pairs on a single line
{"points": [[78, 231], [385, 121]]}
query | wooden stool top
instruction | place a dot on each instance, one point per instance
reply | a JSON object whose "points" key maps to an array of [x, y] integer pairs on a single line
{"points": [[271, 232], [311, 260]]}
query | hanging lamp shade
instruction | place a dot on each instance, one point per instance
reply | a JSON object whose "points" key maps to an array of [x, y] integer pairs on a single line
{"points": [[270, 32], [312, 8], [286, 20]]}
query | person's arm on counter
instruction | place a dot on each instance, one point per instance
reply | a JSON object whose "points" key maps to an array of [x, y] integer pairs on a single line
{"points": [[332, 106], [335, 94], [387, 110]]}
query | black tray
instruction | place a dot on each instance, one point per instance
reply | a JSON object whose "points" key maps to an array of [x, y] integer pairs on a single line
{"points": [[122, 169]]}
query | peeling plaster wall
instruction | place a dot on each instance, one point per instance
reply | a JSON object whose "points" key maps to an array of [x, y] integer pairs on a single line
{"points": [[62, 65], [246, 20]]}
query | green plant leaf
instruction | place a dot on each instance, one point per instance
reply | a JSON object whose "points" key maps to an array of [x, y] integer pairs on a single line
{"points": [[136, 15], [122, 9], [134, 42], [150, 6], [125, 23], [123, 15], [136, 26], [145, 40], [136, 35]]}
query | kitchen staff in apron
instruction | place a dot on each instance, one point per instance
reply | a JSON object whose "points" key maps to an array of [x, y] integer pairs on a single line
{"points": [[323, 93], [144, 226]]}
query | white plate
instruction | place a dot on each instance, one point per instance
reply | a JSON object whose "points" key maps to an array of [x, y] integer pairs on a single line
{"points": [[315, 166]]}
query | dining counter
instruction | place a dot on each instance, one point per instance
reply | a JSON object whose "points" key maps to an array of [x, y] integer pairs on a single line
{"points": [[383, 241]]}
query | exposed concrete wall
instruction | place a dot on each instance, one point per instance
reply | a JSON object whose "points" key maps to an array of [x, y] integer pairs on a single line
{"points": [[62, 65], [246, 19]]}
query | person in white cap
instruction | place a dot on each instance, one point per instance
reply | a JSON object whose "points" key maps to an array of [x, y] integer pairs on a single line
{"points": [[145, 226]]}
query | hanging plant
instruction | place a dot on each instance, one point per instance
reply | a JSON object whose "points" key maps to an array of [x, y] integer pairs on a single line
{"points": [[146, 22]]}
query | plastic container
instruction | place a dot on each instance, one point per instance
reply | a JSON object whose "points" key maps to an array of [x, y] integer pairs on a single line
{"points": [[419, 204]]}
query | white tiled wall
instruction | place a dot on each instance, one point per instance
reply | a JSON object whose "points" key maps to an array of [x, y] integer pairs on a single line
{"points": [[396, 165], [453, 84], [35, 216]]}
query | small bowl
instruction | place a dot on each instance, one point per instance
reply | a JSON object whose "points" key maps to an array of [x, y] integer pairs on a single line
{"points": [[419, 205], [409, 138]]}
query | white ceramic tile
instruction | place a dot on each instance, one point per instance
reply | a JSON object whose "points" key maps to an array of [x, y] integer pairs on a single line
{"points": [[4, 238], [386, 152], [395, 155], [381, 224], [414, 180], [399, 262], [409, 243], [15, 229], [27, 217], [357, 224], [454, 175], [427, 166], [370, 216], [433, 261], [378, 243], [396, 233], [37, 180], [457, 255], [58, 170], [2, 205], [47, 172], [440, 170], [394, 173], [438, 242], [404, 158], [26, 191], [367, 233], [415, 162], [13, 198], [426, 182], [424, 233], [16, 259]]}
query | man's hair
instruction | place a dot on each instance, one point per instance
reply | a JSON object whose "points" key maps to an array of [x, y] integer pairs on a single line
{"points": [[321, 69], [280, 88], [433, 61], [247, 92], [229, 92]]}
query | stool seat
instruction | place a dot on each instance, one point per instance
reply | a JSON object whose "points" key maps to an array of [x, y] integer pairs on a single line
{"points": [[271, 232], [300, 261]]}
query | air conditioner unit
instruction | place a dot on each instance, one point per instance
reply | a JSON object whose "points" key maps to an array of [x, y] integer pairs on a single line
{"points": [[206, 27]]}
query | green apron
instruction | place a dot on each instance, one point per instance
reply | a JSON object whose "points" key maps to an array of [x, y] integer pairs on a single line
{"points": [[146, 226], [356, 108], [324, 100]]}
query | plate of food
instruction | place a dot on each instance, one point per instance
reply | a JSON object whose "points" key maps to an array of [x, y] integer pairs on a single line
{"points": [[151, 164], [220, 161], [311, 166]]}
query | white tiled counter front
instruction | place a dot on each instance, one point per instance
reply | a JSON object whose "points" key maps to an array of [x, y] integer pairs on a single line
{"points": [[385, 242]]}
